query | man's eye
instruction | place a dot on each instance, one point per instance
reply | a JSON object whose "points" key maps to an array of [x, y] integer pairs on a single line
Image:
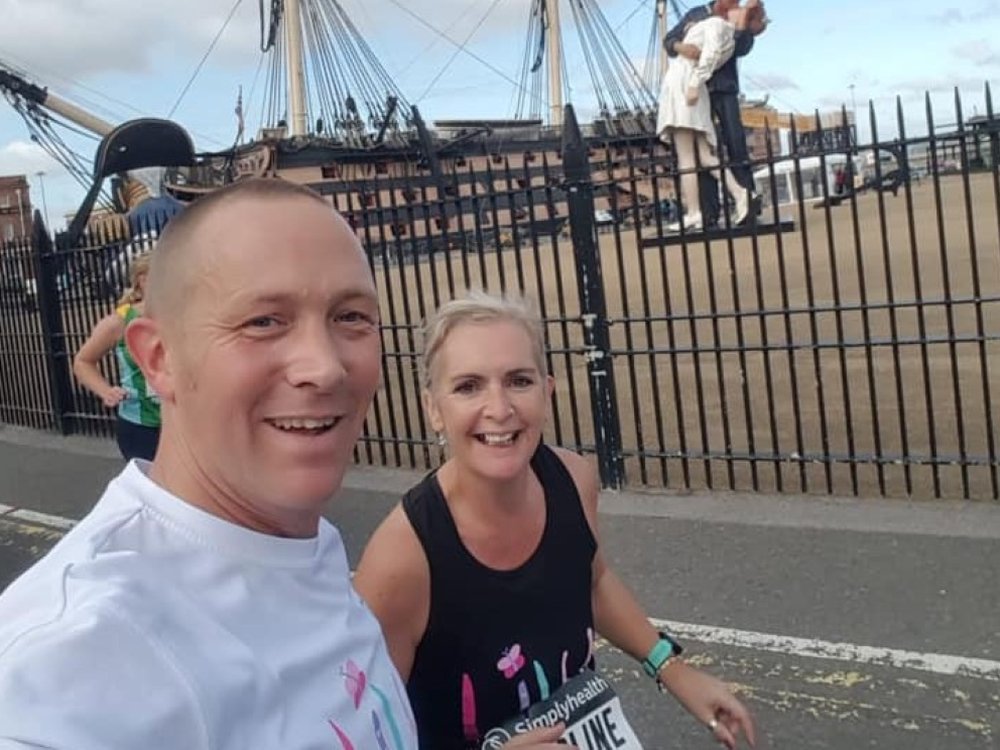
{"points": [[262, 321], [356, 317]]}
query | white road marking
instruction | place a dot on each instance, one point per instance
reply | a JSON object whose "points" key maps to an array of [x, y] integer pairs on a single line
{"points": [[43, 519], [965, 666], [947, 664]]}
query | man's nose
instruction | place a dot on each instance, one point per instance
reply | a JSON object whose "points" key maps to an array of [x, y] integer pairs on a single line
{"points": [[316, 359]]}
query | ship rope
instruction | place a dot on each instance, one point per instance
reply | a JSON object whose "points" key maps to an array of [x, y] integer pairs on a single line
{"points": [[461, 48], [204, 58], [531, 92], [618, 86], [350, 95]]}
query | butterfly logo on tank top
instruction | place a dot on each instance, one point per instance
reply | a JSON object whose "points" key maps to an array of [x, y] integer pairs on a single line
{"points": [[512, 661], [354, 682]]}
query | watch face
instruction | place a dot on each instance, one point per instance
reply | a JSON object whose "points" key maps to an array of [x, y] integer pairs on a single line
{"points": [[674, 645]]}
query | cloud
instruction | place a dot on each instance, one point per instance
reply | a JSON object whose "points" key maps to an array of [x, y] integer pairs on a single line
{"points": [[772, 82], [25, 157], [77, 40], [947, 17], [941, 84], [990, 9], [979, 52]]}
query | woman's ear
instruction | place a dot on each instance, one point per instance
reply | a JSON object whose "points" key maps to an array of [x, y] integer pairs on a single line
{"points": [[144, 339], [431, 410]]}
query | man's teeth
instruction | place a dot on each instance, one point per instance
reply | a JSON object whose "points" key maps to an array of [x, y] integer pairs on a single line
{"points": [[304, 424], [498, 438]]}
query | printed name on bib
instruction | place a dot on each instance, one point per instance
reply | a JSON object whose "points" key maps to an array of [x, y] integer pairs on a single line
{"points": [[589, 708]]}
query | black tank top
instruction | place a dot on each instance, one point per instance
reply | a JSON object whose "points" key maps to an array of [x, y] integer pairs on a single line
{"points": [[498, 641]]}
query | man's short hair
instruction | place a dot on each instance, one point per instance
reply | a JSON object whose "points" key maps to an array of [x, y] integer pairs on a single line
{"points": [[167, 280]]}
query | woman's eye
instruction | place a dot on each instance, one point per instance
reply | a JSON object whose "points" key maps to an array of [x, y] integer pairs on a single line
{"points": [[522, 381], [467, 386]]}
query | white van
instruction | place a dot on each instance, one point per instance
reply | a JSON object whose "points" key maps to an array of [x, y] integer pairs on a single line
{"points": [[811, 169]]}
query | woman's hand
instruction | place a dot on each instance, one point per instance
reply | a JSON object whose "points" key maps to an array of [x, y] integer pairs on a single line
{"points": [[690, 51], [691, 95], [113, 396], [710, 701], [546, 738]]}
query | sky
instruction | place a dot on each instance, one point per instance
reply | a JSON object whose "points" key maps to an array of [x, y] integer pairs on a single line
{"points": [[122, 59]]}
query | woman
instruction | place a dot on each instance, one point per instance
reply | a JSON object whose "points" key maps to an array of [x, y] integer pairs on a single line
{"points": [[685, 113], [137, 427], [488, 578]]}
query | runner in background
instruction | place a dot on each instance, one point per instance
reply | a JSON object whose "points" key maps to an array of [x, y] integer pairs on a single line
{"points": [[137, 427]]}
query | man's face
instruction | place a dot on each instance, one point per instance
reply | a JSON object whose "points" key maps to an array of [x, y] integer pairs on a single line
{"points": [[274, 360], [722, 7]]}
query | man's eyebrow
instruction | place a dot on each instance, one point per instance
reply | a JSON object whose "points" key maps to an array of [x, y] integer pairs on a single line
{"points": [[355, 294]]}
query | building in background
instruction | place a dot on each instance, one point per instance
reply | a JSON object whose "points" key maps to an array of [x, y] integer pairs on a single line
{"points": [[826, 132], [15, 208]]}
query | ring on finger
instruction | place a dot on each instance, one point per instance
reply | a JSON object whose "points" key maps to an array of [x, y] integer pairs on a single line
{"points": [[713, 724]]}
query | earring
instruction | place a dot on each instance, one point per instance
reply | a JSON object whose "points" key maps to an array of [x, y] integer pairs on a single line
{"points": [[442, 439]]}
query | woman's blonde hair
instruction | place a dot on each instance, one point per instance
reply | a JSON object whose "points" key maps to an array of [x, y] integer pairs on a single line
{"points": [[478, 306], [138, 267]]}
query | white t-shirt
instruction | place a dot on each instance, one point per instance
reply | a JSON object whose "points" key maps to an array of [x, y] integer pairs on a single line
{"points": [[153, 624]]}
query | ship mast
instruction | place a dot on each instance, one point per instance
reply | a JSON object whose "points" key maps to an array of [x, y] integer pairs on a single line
{"points": [[555, 62], [297, 114], [18, 86], [661, 19]]}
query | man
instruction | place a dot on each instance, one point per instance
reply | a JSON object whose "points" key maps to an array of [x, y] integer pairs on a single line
{"points": [[204, 602], [724, 90]]}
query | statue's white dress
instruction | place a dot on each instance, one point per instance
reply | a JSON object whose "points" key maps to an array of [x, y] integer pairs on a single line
{"points": [[716, 38]]}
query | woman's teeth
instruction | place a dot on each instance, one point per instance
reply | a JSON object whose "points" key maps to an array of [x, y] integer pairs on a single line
{"points": [[304, 423], [497, 438]]}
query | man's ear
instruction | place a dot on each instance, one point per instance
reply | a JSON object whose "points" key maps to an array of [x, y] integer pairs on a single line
{"points": [[431, 410], [145, 342]]}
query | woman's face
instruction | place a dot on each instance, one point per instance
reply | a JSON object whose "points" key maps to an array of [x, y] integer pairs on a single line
{"points": [[489, 398]]}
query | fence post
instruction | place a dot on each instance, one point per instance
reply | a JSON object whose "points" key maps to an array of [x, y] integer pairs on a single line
{"points": [[53, 332], [593, 308]]}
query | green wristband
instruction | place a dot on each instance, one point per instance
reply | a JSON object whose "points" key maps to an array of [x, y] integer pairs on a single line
{"points": [[663, 650]]}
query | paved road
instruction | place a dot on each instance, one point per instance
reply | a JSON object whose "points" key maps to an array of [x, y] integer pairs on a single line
{"points": [[901, 601]]}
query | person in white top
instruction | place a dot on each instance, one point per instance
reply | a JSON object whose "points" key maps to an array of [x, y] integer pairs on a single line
{"points": [[684, 117], [204, 602]]}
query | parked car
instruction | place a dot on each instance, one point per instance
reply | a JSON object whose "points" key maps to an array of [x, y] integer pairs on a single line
{"points": [[603, 217]]}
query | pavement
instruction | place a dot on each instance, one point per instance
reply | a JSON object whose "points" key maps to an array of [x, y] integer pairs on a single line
{"points": [[843, 623]]}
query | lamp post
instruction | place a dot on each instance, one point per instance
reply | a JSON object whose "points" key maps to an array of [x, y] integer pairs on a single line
{"points": [[45, 206], [854, 116]]}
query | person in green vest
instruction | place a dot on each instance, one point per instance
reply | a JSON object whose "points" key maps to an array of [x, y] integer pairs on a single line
{"points": [[138, 425]]}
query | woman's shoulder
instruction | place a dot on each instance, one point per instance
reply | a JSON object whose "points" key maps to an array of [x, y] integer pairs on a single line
{"points": [[394, 549], [581, 469]]}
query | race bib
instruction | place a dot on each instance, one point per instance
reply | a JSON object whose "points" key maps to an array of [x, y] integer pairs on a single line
{"points": [[589, 708]]}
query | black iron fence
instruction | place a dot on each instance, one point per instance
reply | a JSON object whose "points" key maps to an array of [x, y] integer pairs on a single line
{"points": [[845, 343]]}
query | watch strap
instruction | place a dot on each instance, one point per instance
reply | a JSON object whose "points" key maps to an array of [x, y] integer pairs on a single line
{"points": [[662, 651]]}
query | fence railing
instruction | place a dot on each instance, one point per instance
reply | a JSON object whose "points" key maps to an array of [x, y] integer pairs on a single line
{"points": [[846, 343]]}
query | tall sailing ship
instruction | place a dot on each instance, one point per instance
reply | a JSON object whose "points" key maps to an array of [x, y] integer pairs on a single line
{"points": [[334, 118]]}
